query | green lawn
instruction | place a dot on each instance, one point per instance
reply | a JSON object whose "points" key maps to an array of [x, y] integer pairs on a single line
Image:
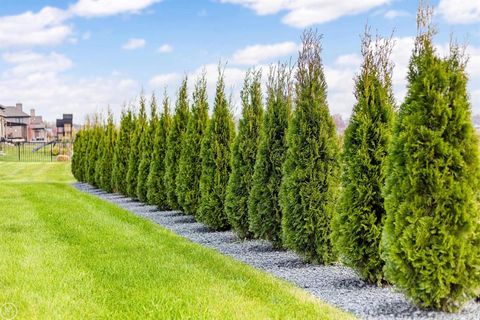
{"points": [[69, 255]]}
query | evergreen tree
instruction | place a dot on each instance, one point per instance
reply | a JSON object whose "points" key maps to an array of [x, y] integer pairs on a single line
{"points": [[102, 142], [122, 152], [431, 238], [146, 145], [309, 188], [106, 161], [359, 221], [140, 124], [156, 191], [264, 212], [190, 165], [244, 152], [78, 155], [174, 145], [215, 154], [93, 139]]}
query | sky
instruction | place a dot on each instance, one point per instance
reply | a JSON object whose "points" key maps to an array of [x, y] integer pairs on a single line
{"points": [[85, 56]]}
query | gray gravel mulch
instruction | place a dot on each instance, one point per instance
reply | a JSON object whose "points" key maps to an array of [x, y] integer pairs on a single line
{"points": [[337, 285]]}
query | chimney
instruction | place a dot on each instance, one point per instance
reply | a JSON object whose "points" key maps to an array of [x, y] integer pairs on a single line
{"points": [[32, 113], [19, 107]]}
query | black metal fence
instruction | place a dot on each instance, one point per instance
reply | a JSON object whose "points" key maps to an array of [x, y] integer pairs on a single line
{"points": [[35, 151]]}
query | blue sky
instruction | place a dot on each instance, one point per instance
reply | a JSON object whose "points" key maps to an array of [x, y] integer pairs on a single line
{"points": [[81, 56]]}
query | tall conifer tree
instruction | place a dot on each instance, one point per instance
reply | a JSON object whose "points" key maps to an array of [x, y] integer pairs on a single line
{"points": [[190, 164], [156, 191], [122, 151], [215, 155], [264, 212], [244, 152], [147, 151], [310, 184], [174, 145], [140, 125], [106, 160], [431, 239], [359, 221]]}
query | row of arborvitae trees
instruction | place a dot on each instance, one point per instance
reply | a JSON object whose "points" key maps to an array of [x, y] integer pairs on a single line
{"points": [[399, 204]]}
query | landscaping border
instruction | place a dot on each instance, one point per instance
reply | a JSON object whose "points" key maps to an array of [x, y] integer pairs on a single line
{"points": [[336, 284]]}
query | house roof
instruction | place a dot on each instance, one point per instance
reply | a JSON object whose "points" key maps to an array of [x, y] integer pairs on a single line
{"points": [[13, 112]]}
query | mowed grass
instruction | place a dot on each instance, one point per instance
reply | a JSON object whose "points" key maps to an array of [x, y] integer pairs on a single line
{"points": [[69, 255]]}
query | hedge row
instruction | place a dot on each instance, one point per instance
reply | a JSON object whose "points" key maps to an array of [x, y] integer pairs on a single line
{"points": [[399, 204]]}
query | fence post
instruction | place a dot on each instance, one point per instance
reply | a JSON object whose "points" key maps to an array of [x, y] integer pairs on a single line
{"points": [[18, 148]]}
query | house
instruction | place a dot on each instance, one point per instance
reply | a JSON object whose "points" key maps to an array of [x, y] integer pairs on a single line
{"points": [[16, 123], [65, 127], [3, 123], [37, 129]]}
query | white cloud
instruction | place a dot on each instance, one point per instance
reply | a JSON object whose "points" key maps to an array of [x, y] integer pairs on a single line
{"points": [[165, 48], [303, 13], [164, 80], [97, 8], [460, 12], [134, 43], [263, 52], [392, 14], [45, 27], [349, 60], [39, 81]]}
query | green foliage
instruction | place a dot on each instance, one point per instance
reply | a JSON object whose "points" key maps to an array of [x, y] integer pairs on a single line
{"points": [[94, 138], [78, 157], [140, 126], [264, 212], [105, 162], [146, 149], [190, 164], [156, 191], [215, 154], [243, 155], [174, 145], [308, 192], [358, 224], [431, 238], [122, 152]]}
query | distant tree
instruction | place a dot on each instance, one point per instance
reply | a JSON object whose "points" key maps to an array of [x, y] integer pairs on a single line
{"points": [[140, 125], [106, 158], [215, 154], [359, 221], [431, 238], [244, 152], [264, 212], [156, 191], [190, 164], [174, 145], [310, 183], [146, 146], [122, 151]]}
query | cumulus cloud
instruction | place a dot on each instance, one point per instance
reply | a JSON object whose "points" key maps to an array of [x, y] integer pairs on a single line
{"points": [[303, 13], [164, 80], [134, 43], [256, 54], [41, 81], [46, 27], [165, 48], [98, 8], [460, 12]]}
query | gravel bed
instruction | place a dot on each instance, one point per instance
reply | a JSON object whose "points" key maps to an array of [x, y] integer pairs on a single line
{"points": [[337, 284]]}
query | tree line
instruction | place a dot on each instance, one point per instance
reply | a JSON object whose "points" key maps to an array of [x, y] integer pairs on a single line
{"points": [[397, 199]]}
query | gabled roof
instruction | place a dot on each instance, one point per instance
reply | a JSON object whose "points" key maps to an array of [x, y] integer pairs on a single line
{"points": [[13, 112]]}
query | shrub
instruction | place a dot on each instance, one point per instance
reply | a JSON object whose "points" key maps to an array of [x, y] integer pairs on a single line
{"points": [[78, 155], [431, 238], [358, 224], [309, 188], [190, 164], [156, 191], [244, 152], [139, 127], [94, 137], [215, 154], [106, 160], [265, 215], [174, 145], [122, 152], [146, 146]]}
